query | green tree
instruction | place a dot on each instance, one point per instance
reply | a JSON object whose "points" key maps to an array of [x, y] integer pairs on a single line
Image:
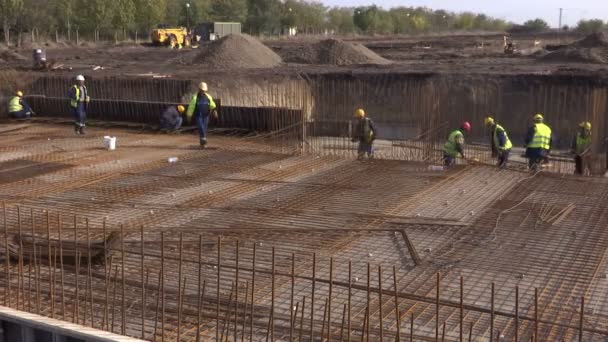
{"points": [[229, 10], [149, 13], [365, 17], [464, 21], [124, 14], [590, 26], [9, 12], [340, 19], [310, 16], [268, 16], [536, 25]]}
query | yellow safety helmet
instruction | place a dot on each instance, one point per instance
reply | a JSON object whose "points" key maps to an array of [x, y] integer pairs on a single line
{"points": [[586, 125], [19, 93], [359, 113], [488, 121], [181, 109], [538, 118]]}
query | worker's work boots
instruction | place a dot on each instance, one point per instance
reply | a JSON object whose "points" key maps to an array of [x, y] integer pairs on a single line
{"points": [[203, 142], [82, 130]]}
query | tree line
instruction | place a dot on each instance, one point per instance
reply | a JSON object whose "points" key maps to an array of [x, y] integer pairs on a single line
{"points": [[268, 17]]}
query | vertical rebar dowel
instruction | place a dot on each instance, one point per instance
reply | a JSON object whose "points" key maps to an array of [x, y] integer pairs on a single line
{"points": [[179, 285], [162, 286], [219, 266], [536, 312], [180, 307], [331, 287], [443, 332], [292, 314], [350, 288], [412, 327], [397, 315], [252, 291], [324, 316], [236, 294], [380, 314], [113, 310], [143, 287], [343, 323], [89, 273], [492, 313], [516, 313], [20, 260], [245, 311], [273, 297], [60, 224], [437, 309], [471, 332], [53, 279], [158, 294], [7, 291], [582, 320], [105, 320], [48, 243], [227, 315], [312, 297], [123, 306], [75, 312], [461, 308], [302, 319], [200, 296], [145, 301]]}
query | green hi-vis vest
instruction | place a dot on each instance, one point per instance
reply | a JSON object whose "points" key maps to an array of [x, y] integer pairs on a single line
{"points": [[582, 143], [450, 146], [508, 144], [74, 102], [368, 134], [192, 105], [14, 104], [542, 137]]}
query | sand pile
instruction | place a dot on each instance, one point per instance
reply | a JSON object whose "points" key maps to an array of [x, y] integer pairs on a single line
{"points": [[591, 49], [237, 51], [332, 52]]}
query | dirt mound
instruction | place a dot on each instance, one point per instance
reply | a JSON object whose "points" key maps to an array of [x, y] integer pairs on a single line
{"points": [[238, 51], [12, 56], [331, 52], [594, 40]]}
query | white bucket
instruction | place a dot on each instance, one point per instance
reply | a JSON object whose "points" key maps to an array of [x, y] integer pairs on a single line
{"points": [[109, 143]]}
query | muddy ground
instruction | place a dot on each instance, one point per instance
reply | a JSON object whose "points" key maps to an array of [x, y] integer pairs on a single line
{"points": [[459, 54]]}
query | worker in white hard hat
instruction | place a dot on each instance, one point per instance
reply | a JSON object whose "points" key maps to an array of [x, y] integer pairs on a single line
{"points": [[79, 101], [365, 133], [538, 143], [18, 108], [201, 107], [171, 119]]}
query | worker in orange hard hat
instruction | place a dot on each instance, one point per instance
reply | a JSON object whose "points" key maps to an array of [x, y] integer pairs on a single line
{"points": [[18, 108], [455, 145], [581, 148], [365, 133], [171, 119]]}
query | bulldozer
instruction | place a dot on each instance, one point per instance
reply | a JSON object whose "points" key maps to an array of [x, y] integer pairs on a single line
{"points": [[170, 36]]}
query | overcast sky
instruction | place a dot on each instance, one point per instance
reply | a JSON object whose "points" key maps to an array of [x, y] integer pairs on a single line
{"points": [[516, 11]]}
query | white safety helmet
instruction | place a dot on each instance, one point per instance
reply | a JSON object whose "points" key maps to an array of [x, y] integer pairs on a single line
{"points": [[79, 78], [203, 86]]}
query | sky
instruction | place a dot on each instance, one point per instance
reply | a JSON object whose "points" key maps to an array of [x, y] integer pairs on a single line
{"points": [[516, 11]]}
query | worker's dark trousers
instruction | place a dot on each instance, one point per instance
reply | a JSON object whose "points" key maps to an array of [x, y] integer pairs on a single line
{"points": [[365, 148], [202, 122], [448, 160], [22, 114], [503, 158], [535, 156], [171, 126], [580, 164], [80, 114]]}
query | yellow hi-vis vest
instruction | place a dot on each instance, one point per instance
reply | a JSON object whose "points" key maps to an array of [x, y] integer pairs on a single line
{"points": [[450, 146], [14, 104], [74, 102], [582, 143], [508, 144], [542, 137]]}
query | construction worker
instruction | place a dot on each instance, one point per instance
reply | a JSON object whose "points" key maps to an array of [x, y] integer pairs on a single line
{"points": [[202, 106], [581, 146], [455, 145], [18, 108], [365, 134], [171, 119], [79, 102], [501, 144], [537, 143]]}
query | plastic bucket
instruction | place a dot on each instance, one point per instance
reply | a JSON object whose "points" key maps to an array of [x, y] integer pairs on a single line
{"points": [[109, 143]]}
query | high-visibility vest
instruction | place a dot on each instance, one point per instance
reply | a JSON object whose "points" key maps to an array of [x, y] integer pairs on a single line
{"points": [[450, 146], [74, 102], [542, 137], [582, 143], [508, 144], [14, 104], [192, 105], [367, 133]]}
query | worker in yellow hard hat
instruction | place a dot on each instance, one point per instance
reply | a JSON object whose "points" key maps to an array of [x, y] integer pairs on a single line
{"points": [[501, 144], [18, 108], [538, 142], [171, 119], [581, 148], [202, 107], [365, 133]]}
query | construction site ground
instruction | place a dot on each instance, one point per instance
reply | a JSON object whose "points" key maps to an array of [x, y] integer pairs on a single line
{"points": [[497, 229]]}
